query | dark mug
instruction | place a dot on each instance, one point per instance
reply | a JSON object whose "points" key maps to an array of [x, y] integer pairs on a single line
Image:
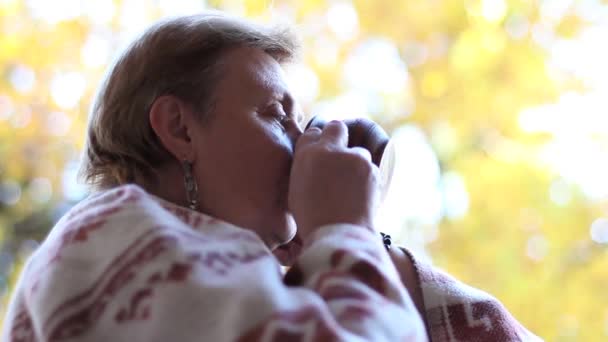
{"points": [[369, 135], [362, 133]]}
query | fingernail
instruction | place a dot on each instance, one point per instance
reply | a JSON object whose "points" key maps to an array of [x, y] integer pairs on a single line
{"points": [[311, 129]]}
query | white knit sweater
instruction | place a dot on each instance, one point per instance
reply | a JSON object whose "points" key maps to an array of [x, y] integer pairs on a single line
{"points": [[126, 266]]}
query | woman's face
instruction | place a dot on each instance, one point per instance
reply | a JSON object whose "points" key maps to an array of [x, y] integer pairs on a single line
{"points": [[244, 151]]}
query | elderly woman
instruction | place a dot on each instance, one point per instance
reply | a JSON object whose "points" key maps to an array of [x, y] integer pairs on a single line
{"points": [[202, 174]]}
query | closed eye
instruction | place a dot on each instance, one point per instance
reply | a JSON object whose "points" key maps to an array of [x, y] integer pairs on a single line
{"points": [[283, 109], [276, 112]]}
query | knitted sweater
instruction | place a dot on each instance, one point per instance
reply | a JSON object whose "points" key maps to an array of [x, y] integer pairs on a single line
{"points": [[124, 265]]}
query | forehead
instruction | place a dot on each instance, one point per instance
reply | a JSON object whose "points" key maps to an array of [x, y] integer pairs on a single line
{"points": [[252, 68]]}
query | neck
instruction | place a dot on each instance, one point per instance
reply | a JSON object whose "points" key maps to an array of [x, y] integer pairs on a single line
{"points": [[168, 184]]}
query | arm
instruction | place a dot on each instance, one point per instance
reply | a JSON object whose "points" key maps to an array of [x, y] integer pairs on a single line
{"points": [[453, 310], [409, 277], [346, 270]]}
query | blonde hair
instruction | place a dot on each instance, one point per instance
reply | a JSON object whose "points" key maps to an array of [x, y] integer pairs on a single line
{"points": [[179, 57]]}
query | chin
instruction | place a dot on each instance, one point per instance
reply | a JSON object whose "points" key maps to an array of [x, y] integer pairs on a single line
{"points": [[284, 232], [287, 244]]}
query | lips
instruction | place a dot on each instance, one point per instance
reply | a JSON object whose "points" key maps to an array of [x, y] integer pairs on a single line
{"points": [[288, 253]]}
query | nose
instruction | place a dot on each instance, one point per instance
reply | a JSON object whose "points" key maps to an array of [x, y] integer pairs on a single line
{"points": [[294, 131]]}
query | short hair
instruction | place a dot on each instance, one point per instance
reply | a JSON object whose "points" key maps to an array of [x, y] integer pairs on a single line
{"points": [[181, 57]]}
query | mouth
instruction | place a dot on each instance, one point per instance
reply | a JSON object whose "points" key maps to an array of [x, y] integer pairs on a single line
{"points": [[288, 253]]}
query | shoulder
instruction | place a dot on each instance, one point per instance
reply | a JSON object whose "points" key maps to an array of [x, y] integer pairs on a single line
{"points": [[101, 215], [112, 240], [106, 225], [94, 230], [93, 233], [117, 198]]}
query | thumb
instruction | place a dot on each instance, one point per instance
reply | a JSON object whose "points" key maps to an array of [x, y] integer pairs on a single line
{"points": [[335, 133], [309, 136]]}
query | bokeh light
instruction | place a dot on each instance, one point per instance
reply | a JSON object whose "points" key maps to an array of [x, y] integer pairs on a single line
{"points": [[496, 107]]}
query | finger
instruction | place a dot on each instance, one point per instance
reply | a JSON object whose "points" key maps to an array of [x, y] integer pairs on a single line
{"points": [[308, 137], [362, 152], [336, 133]]}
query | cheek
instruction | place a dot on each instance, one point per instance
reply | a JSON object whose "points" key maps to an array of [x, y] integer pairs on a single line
{"points": [[271, 141], [257, 148], [272, 154]]}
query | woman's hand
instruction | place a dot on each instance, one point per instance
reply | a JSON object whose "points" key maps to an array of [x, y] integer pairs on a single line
{"points": [[331, 183]]}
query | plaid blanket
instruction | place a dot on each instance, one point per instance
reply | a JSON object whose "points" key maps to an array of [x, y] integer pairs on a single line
{"points": [[126, 266]]}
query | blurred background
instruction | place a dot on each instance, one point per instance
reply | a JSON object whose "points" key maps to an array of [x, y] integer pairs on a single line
{"points": [[497, 107]]}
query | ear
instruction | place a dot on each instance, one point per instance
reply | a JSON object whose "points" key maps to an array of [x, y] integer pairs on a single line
{"points": [[169, 118]]}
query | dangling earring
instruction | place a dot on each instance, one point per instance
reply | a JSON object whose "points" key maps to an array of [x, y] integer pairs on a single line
{"points": [[191, 186]]}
